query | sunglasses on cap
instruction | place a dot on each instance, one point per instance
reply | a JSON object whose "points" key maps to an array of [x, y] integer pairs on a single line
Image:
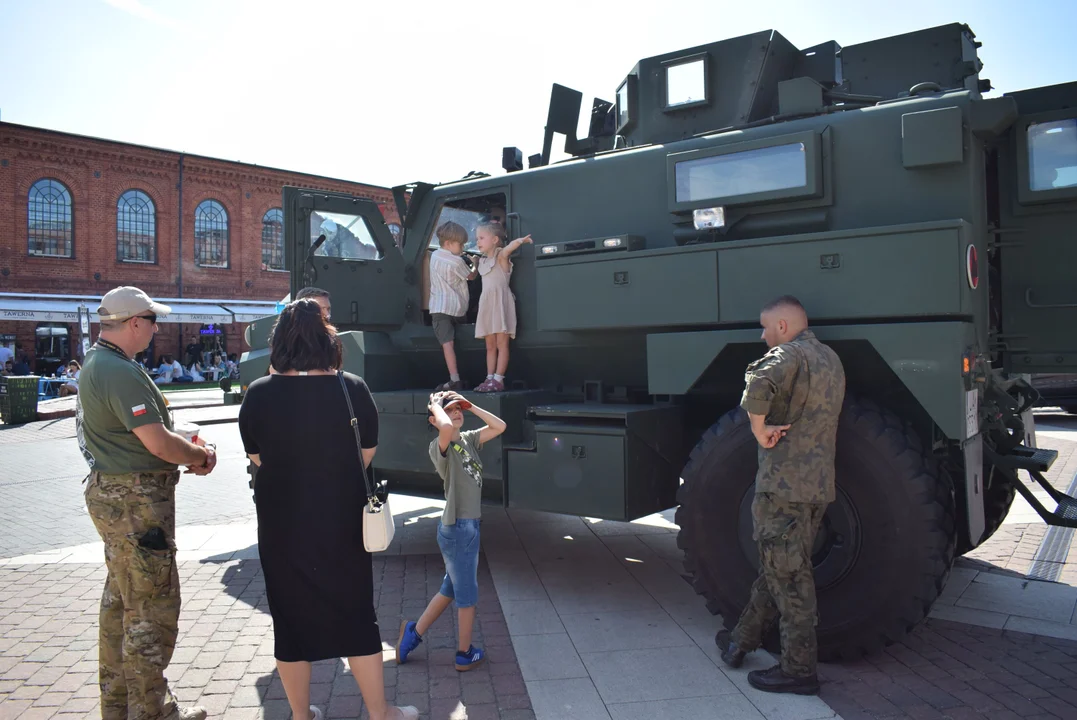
{"points": [[151, 317]]}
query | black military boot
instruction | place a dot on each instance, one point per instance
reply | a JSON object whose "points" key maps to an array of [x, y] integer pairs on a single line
{"points": [[775, 680], [732, 655]]}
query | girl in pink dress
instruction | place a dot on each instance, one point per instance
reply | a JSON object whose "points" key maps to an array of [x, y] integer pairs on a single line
{"points": [[496, 319]]}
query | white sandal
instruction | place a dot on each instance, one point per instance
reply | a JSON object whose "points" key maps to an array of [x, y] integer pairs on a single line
{"points": [[317, 713], [407, 712]]}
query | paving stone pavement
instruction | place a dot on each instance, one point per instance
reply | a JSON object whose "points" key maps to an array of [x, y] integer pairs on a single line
{"points": [[48, 618], [41, 500], [224, 654], [951, 671]]}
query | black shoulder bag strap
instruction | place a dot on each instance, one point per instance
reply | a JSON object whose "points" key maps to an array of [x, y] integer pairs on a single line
{"points": [[370, 496]]}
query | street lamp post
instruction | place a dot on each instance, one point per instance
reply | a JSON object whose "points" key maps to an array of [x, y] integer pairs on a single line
{"points": [[84, 331]]}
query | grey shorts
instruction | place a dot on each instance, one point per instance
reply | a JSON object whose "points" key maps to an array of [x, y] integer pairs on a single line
{"points": [[445, 326]]}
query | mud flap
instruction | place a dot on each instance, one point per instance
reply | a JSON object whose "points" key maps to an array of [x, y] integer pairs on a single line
{"points": [[974, 487]]}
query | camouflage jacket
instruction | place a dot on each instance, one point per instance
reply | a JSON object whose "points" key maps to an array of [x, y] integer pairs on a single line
{"points": [[799, 383]]}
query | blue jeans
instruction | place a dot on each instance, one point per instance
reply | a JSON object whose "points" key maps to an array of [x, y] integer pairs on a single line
{"points": [[459, 545]]}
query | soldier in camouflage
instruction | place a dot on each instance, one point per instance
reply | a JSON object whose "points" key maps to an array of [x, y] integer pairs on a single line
{"points": [[125, 434], [793, 397]]}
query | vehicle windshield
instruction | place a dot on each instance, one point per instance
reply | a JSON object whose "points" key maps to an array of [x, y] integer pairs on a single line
{"points": [[346, 236]]}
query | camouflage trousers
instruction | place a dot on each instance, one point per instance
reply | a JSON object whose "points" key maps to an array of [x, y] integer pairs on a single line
{"points": [[784, 534], [135, 515]]}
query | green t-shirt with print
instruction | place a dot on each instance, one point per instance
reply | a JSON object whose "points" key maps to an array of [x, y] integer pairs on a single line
{"points": [[462, 480], [115, 397]]}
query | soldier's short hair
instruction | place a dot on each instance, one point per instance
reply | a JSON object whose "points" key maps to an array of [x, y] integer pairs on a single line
{"points": [[784, 301], [311, 292], [451, 232]]}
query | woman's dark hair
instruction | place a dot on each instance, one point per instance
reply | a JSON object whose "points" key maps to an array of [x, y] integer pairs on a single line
{"points": [[303, 340]]}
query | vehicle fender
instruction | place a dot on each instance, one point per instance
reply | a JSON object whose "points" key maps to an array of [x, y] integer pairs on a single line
{"points": [[925, 357]]}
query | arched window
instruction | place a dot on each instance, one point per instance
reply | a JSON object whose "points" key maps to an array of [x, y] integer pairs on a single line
{"points": [[136, 228], [50, 230], [211, 235], [273, 240]]}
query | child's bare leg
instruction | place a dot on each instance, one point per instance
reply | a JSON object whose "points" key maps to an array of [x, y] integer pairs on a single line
{"points": [[438, 604], [465, 618], [491, 353], [502, 340], [450, 357]]}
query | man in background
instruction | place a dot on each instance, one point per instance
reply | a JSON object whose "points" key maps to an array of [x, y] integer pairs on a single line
{"points": [[319, 296]]}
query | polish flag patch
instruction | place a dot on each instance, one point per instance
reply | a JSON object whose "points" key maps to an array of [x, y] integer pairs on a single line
{"points": [[138, 410]]}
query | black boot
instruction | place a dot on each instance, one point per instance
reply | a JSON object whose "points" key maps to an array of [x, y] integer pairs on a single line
{"points": [[775, 680], [732, 655]]}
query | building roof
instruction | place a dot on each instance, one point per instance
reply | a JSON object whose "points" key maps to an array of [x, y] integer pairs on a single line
{"points": [[61, 133]]}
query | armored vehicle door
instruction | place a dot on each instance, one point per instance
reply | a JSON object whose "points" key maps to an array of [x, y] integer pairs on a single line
{"points": [[1037, 234], [341, 244]]}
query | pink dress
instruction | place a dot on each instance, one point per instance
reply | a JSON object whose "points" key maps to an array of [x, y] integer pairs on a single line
{"points": [[497, 304]]}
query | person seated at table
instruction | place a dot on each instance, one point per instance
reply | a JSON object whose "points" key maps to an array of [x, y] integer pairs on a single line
{"points": [[232, 366], [8, 369], [71, 386], [164, 373], [195, 372], [215, 369], [179, 373], [22, 366]]}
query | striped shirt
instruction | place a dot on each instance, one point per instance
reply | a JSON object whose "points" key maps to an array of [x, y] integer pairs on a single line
{"points": [[448, 284]]}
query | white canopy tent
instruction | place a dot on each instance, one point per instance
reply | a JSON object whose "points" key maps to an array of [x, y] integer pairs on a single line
{"points": [[64, 308]]}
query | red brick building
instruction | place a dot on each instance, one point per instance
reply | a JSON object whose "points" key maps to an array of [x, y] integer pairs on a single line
{"points": [[80, 216]]}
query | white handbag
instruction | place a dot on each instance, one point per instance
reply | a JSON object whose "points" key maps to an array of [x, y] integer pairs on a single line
{"points": [[378, 526]]}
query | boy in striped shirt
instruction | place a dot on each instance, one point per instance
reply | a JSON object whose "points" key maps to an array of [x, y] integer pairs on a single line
{"points": [[449, 298]]}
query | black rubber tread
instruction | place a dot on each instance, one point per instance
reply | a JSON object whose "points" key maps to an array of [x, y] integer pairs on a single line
{"points": [[1070, 409], [909, 532]]}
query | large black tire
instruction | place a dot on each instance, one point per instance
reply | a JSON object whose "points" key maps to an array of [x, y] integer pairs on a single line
{"points": [[882, 556]]}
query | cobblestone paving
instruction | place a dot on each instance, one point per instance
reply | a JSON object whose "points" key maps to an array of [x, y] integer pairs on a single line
{"points": [[950, 671], [224, 656], [953, 671], [41, 501]]}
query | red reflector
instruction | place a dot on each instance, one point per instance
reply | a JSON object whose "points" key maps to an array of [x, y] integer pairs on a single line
{"points": [[972, 267]]}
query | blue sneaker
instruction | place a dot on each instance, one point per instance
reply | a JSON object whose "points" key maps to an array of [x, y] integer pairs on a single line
{"points": [[409, 640], [471, 659]]}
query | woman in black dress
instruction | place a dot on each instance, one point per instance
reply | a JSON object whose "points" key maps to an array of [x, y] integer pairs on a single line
{"points": [[309, 496]]}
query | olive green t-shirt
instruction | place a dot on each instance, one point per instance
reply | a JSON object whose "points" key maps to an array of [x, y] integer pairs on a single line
{"points": [[115, 397], [462, 480]]}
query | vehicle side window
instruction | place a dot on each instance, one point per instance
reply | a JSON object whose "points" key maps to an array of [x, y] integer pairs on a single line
{"points": [[346, 236], [1052, 154], [469, 219]]}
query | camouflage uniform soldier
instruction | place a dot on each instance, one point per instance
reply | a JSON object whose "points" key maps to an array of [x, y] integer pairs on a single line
{"points": [[125, 434], [793, 397]]}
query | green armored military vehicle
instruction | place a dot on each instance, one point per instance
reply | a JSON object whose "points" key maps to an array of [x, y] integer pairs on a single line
{"points": [[928, 230]]}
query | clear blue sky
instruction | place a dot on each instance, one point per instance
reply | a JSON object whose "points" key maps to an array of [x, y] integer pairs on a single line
{"points": [[387, 93]]}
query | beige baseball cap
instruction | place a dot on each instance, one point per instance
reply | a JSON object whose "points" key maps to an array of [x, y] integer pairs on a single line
{"points": [[127, 301]]}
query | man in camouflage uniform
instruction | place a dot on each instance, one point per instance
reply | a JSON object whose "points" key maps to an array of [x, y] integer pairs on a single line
{"points": [[125, 434], [793, 397]]}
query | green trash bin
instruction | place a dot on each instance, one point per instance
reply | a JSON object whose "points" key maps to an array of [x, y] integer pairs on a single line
{"points": [[18, 399]]}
